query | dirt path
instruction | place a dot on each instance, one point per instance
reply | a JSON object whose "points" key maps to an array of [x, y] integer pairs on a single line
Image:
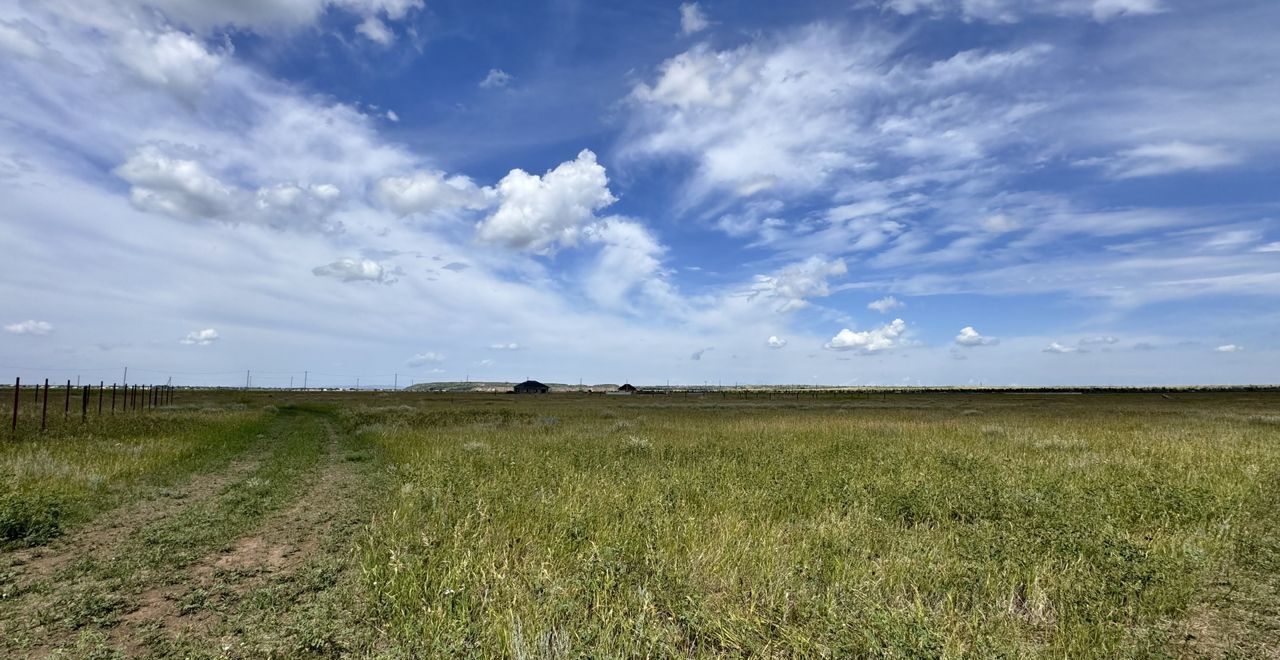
{"points": [[271, 553], [223, 562], [107, 532]]}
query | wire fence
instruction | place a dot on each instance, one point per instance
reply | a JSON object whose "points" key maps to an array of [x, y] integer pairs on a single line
{"points": [[82, 401], [248, 378]]}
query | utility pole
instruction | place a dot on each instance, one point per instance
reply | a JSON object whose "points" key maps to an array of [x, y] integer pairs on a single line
{"points": [[357, 384], [246, 379], [395, 384], [304, 381], [290, 382], [125, 380]]}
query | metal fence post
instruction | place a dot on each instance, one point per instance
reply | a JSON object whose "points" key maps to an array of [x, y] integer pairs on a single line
{"points": [[17, 398]]}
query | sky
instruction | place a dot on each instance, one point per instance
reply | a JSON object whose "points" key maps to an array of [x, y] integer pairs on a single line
{"points": [[866, 192]]}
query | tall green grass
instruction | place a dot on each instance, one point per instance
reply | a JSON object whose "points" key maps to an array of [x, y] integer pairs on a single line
{"points": [[72, 470], [605, 529]]}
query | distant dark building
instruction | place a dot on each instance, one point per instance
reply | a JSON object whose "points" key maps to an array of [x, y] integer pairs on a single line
{"points": [[628, 388], [531, 387]]}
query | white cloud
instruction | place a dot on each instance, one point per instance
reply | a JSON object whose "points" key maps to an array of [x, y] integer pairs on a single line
{"points": [[30, 327], [200, 337], [809, 108], [885, 305], [175, 186], [22, 38], [1165, 158], [1101, 340], [538, 212], [496, 79], [355, 270], [999, 223], [265, 15], [1104, 10], [1012, 11], [630, 259], [970, 337], [505, 347], [169, 180], [775, 342], [173, 61], [1269, 247], [422, 359], [885, 337], [373, 29], [429, 192], [1056, 347], [392, 116], [1228, 348], [692, 18], [794, 284]]}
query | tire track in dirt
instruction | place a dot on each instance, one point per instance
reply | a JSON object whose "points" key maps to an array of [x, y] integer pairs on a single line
{"points": [[101, 536], [280, 545]]}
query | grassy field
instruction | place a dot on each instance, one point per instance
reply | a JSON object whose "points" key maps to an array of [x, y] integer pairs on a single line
{"points": [[410, 525]]}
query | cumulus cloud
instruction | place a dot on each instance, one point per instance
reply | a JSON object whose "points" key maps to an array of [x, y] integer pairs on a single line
{"points": [[29, 327], [692, 18], [1165, 158], [775, 342], [512, 346], [422, 359], [1100, 340], [392, 116], [429, 192], [169, 180], [538, 212], [289, 204], [173, 61], [970, 337], [200, 337], [885, 337], [356, 270], [1228, 348], [496, 79], [1057, 347], [885, 305], [175, 186], [791, 286]]}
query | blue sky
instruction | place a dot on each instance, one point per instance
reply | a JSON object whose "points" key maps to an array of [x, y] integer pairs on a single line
{"points": [[920, 192]]}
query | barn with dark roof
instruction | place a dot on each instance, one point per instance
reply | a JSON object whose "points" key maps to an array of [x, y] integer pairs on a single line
{"points": [[531, 387]]}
